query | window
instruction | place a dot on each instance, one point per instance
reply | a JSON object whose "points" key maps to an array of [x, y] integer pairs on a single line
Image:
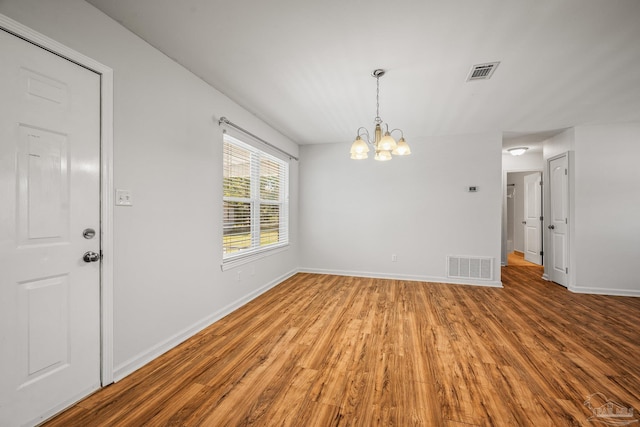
{"points": [[255, 200]]}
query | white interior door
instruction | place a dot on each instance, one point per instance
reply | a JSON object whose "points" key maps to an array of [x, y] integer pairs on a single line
{"points": [[558, 221], [50, 192], [532, 215]]}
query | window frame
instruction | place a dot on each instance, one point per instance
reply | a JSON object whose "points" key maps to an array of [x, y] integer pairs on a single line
{"points": [[256, 249]]}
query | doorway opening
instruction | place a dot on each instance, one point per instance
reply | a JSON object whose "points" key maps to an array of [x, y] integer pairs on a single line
{"points": [[523, 218]]}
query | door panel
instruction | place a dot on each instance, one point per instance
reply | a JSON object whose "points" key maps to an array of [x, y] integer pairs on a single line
{"points": [[43, 190], [44, 305], [49, 187], [532, 214], [559, 199]]}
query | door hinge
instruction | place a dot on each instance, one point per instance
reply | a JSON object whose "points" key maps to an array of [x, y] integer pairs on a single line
{"points": [[541, 183], [541, 218], [566, 172], [566, 221], [541, 253], [566, 270]]}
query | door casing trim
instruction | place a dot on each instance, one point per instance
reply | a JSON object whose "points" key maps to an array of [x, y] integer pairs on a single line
{"points": [[106, 179]]}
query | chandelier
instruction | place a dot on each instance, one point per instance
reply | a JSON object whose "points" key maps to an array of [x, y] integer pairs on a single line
{"points": [[384, 145]]}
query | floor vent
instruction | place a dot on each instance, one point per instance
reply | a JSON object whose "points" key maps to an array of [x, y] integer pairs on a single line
{"points": [[482, 71], [470, 268]]}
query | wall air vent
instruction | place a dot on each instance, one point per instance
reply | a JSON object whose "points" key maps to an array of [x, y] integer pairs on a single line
{"points": [[482, 71], [470, 268]]}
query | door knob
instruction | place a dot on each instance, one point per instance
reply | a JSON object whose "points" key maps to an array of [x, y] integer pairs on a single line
{"points": [[524, 222], [551, 227], [91, 257]]}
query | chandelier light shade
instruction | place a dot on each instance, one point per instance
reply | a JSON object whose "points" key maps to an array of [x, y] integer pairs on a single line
{"points": [[517, 151], [384, 145], [402, 149], [359, 149]]}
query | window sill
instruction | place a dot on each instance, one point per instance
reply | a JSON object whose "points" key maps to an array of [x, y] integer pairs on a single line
{"points": [[236, 261]]}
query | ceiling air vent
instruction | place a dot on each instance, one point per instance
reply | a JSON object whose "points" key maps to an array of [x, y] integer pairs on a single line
{"points": [[482, 71]]}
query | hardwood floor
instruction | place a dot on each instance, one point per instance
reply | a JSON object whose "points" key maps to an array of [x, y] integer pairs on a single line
{"points": [[323, 350], [516, 259]]}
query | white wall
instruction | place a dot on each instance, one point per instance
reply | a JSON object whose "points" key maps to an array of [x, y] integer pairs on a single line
{"points": [[167, 150], [558, 144], [607, 209], [356, 214]]}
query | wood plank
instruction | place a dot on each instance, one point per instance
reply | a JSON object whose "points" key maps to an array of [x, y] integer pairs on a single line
{"points": [[323, 350]]}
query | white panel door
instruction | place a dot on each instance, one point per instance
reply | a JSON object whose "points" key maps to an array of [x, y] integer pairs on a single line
{"points": [[49, 192], [532, 215], [558, 221]]}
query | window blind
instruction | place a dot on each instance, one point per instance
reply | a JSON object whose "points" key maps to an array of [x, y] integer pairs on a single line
{"points": [[255, 200]]}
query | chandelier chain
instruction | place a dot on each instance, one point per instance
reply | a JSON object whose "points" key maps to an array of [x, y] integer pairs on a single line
{"points": [[378, 119]]}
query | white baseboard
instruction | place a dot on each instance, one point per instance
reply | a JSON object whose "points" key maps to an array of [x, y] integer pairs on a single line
{"points": [[415, 278], [142, 359], [605, 291]]}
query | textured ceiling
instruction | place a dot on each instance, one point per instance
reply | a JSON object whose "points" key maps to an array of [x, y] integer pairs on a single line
{"points": [[304, 66]]}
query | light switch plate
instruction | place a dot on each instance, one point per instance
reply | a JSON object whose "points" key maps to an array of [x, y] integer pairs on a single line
{"points": [[124, 198]]}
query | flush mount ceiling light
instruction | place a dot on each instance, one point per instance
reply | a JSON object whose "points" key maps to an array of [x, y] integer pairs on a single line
{"points": [[517, 151], [384, 145]]}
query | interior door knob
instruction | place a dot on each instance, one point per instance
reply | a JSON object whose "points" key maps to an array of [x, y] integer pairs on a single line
{"points": [[551, 227], [91, 257]]}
